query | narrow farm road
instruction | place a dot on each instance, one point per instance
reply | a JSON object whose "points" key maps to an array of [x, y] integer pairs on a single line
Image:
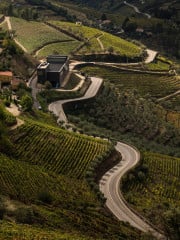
{"points": [[57, 107], [13, 109], [169, 96], [110, 187], [99, 41], [7, 19]]}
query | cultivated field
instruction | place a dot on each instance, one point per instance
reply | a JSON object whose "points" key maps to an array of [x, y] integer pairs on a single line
{"points": [[63, 48], [119, 45], [154, 85], [32, 35], [56, 150], [155, 187]]}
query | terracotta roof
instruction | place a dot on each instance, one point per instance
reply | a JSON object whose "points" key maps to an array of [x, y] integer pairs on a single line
{"points": [[6, 73]]}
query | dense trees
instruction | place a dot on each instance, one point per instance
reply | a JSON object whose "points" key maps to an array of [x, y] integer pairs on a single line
{"points": [[128, 113], [171, 222]]}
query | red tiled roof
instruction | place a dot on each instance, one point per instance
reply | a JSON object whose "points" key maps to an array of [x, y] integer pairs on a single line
{"points": [[6, 73]]}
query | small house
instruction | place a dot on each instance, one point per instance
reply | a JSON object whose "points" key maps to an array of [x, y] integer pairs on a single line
{"points": [[53, 70]]}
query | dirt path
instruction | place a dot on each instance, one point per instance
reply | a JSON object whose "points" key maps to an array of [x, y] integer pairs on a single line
{"points": [[13, 109], [99, 41], [169, 96], [7, 19]]}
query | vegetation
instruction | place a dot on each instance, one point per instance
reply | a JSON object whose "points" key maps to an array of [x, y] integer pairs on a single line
{"points": [[145, 84], [73, 81], [64, 203], [119, 45], [70, 161], [129, 113], [38, 32], [47, 96], [6, 119], [153, 187], [64, 48]]}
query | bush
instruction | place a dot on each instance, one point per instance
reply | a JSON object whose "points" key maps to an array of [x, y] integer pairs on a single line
{"points": [[24, 215], [2, 210], [45, 197], [7, 103]]}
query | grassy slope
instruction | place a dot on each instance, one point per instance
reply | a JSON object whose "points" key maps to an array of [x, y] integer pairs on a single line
{"points": [[63, 48], [122, 46], [35, 34], [159, 190]]}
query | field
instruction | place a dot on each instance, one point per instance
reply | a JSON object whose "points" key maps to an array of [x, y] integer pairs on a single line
{"points": [[154, 188], [119, 45], [56, 150], [154, 85], [172, 103], [63, 48], [45, 184], [158, 66], [33, 35], [12, 231]]}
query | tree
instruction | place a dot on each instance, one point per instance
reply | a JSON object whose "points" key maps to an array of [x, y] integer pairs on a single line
{"points": [[47, 85], [26, 102], [171, 221], [103, 17]]}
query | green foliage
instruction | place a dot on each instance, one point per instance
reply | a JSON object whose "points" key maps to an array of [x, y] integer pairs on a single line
{"points": [[159, 190], [45, 197], [154, 86], [172, 222], [56, 155], [6, 119], [90, 35], [40, 34], [24, 215], [61, 48], [26, 102]]}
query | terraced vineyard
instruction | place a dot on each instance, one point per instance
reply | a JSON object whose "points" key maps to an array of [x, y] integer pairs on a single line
{"points": [[119, 45], [33, 35], [153, 85], [35, 233], [74, 211], [57, 150], [158, 188], [24, 182]]}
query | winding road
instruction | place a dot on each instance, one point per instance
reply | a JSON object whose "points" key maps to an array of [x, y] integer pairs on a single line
{"points": [[110, 182], [57, 107], [136, 9], [110, 187]]}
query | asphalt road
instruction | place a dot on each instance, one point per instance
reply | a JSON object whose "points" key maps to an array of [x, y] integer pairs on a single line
{"points": [[110, 187], [136, 9], [57, 107]]}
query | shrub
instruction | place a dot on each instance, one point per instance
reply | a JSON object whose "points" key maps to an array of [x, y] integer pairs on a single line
{"points": [[24, 215], [7, 103], [45, 197], [2, 210]]}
